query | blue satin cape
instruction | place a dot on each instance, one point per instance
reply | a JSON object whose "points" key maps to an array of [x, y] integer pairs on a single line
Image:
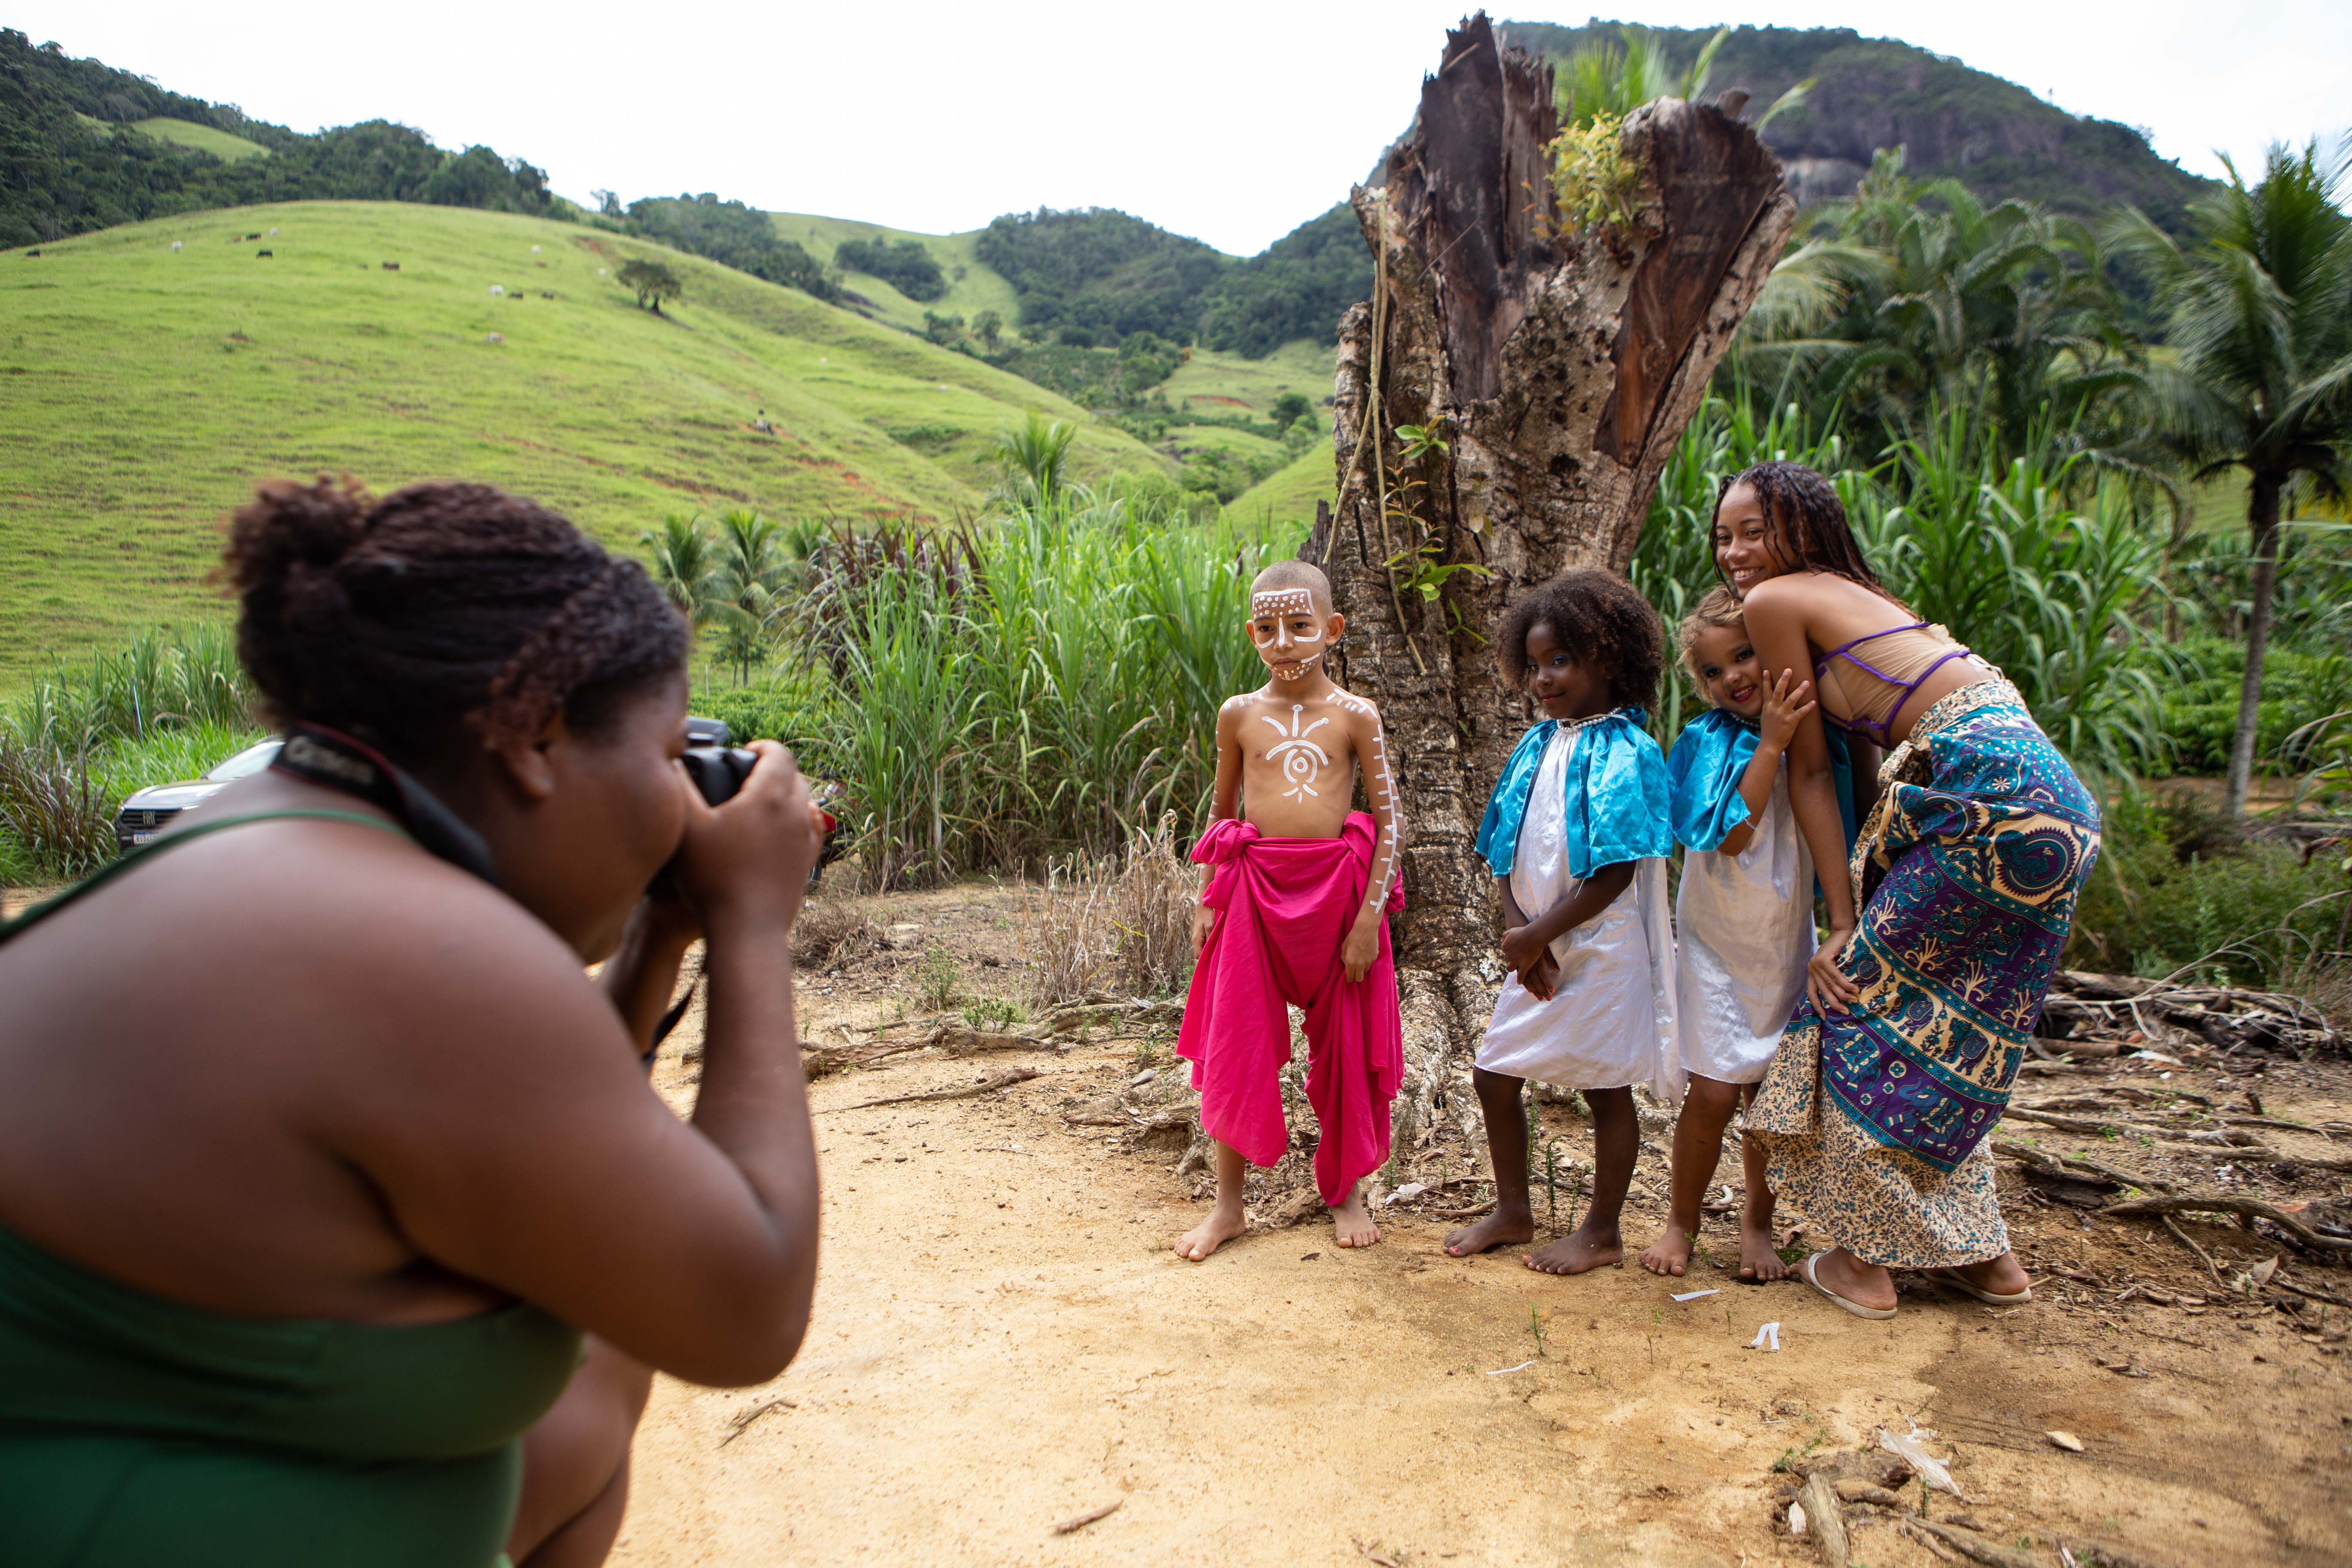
{"points": [[1618, 801], [1709, 757]]}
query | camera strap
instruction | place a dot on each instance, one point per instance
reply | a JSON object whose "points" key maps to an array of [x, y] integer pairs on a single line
{"points": [[332, 760]]}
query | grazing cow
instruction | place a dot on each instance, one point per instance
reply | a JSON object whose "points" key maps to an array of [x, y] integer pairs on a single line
{"points": [[175, 245], [273, 234], [30, 254], [494, 337], [496, 290], [254, 235], [547, 294], [260, 254], [392, 267]]}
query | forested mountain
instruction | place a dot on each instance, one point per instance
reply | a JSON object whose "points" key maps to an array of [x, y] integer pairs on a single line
{"points": [[76, 157], [1868, 93]]}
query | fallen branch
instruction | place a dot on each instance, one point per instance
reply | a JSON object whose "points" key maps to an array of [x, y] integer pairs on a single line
{"points": [[1080, 1520], [1824, 1519], [1971, 1548], [2186, 1241], [959, 1041], [1002, 1080], [2218, 1203], [2045, 1157], [2102, 1553], [2330, 1298]]}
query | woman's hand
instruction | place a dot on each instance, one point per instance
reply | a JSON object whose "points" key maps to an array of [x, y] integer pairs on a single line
{"points": [[1787, 700], [1825, 982], [1204, 920], [747, 860], [1522, 946]]}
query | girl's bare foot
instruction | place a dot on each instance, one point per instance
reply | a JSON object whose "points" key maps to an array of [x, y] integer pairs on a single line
{"points": [[1222, 1225], [2002, 1276], [1759, 1264], [1497, 1229], [1580, 1249], [1353, 1222], [1670, 1254]]}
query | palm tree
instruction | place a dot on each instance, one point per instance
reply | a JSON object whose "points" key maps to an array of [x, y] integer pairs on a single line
{"points": [[1612, 80], [753, 570], [1922, 296], [685, 566], [2260, 322], [1033, 456]]}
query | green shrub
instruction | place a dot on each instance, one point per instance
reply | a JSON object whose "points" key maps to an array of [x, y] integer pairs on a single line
{"points": [[2201, 710], [2172, 894], [791, 706]]}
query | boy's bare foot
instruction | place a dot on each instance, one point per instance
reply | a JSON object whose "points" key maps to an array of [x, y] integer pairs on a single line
{"points": [[1497, 1229], [1759, 1264], [1581, 1249], [1353, 1222], [1222, 1225], [1670, 1254]]}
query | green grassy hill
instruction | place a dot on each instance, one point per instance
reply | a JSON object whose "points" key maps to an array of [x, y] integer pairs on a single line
{"points": [[980, 286], [145, 389], [222, 144]]}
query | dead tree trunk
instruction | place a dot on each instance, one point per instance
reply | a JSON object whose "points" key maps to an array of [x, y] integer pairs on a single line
{"points": [[1558, 365]]}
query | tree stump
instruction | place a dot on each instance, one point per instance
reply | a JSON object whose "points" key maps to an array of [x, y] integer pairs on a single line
{"points": [[1558, 366]]}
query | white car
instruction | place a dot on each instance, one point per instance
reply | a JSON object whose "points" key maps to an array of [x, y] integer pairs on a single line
{"points": [[150, 810]]}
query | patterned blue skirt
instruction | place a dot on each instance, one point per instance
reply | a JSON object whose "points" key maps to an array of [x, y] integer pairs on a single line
{"points": [[1966, 876]]}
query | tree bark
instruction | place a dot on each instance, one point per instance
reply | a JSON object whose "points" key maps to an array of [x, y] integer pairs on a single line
{"points": [[1559, 367], [2262, 533]]}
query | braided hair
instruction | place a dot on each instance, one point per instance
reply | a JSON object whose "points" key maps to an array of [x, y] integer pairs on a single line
{"points": [[1597, 616], [1809, 526], [441, 615]]}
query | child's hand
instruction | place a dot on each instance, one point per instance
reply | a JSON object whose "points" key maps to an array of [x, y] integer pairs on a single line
{"points": [[1522, 948], [1829, 986], [1362, 948], [1542, 977], [1787, 700], [1204, 920]]}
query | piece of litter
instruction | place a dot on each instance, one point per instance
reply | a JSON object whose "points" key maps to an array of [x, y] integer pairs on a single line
{"points": [[1523, 1366], [1695, 1295], [1146, 1076], [2066, 1440], [1913, 1452], [1409, 1190], [1767, 1338], [1796, 1519]]}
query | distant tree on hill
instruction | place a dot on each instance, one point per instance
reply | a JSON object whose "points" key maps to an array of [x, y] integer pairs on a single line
{"points": [[988, 327], [653, 282], [942, 330], [905, 266], [1290, 408]]}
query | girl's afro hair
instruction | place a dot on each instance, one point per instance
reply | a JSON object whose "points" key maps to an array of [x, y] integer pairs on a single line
{"points": [[1597, 616]]}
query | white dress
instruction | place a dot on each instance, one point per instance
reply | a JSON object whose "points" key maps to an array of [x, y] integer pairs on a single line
{"points": [[1611, 1020], [1746, 925]]}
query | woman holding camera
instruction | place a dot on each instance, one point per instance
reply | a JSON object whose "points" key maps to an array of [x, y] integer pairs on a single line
{"points": [[319, 1155]]}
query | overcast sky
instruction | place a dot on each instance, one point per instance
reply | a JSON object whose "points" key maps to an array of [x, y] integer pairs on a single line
{"points": [[1232, 122]]}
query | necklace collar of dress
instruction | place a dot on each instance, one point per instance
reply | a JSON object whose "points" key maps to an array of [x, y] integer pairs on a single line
{"points": [[1588, 719]]}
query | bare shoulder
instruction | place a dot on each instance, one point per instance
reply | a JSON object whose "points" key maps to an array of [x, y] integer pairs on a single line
{"points": [[1357, 708]]}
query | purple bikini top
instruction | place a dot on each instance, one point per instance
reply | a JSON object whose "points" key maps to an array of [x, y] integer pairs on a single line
{"points": [[1882, 730]]}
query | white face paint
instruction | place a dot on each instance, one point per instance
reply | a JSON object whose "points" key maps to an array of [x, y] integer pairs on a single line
{"points": [[1290, 650], [1301, 760]]}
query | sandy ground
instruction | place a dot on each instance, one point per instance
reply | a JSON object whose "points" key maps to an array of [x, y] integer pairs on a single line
{"points": [[1002, 1342]]}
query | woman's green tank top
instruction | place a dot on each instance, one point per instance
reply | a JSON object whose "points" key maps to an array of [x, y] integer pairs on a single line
{"points": [[137, 1431]]}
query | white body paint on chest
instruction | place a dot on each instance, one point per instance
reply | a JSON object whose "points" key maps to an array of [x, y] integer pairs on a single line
{"points": [[1302, 760]]}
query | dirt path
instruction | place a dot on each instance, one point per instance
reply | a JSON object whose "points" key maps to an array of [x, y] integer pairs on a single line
{"points": [[1003, 1341]]}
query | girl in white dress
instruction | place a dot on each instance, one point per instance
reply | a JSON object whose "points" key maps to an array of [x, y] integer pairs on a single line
{"points": [[1743, 918], [1577, 836]]}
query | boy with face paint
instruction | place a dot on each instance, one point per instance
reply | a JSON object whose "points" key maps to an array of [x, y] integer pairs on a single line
{"points": [[1295, 915]]}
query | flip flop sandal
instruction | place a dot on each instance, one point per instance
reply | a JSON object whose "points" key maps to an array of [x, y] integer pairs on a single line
{"points": [[1805, 1268], [1958, 1282]]}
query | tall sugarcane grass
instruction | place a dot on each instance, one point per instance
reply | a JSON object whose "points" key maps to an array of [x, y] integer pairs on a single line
{"points": [[168, 703], [1029, 686]]}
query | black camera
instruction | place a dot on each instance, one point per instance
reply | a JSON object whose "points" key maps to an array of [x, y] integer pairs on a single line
{"points": [[719, 770]]}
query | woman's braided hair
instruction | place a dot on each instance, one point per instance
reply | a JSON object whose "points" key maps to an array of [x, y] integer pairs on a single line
{"points": [[441, 615], [1809, 530], [1597, 616]]}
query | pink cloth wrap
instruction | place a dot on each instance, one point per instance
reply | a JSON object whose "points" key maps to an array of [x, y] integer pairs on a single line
{"points": [[1285, 906]]}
